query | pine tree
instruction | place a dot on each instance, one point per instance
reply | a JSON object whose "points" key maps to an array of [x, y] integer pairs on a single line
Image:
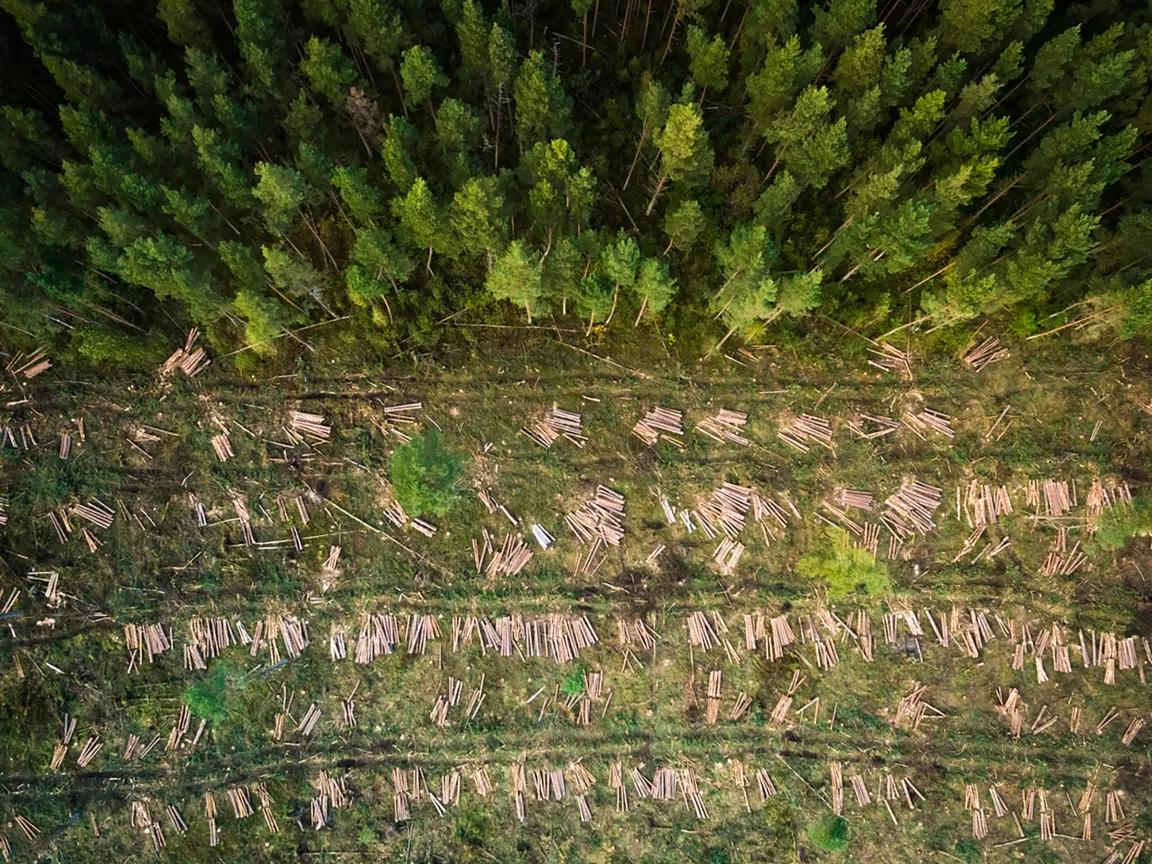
{"points": [[283, 191], [747, 296], [652, 110], [708, 60], [541, 105], [654, 286], [396, 151], [835, 26], [685, 151], [476, 215], [809, 144], [620, 261], [419, 218], [362, 199], [261, 36], [421, 74], [374, 27], [327, 69], [772, 89], [683, 225], [515, 276]]}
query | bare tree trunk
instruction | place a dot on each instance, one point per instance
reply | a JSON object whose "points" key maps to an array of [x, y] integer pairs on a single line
{"points": [[671, 35], [635, 156], [643, 306], [656, 194], [584, 44], [612, 311]]}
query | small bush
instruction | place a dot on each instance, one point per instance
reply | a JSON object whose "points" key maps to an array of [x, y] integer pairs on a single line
{"points": [[1120, 524], [208, 698], [846, 569], [830, 834], [573, 685], [424, 475]]}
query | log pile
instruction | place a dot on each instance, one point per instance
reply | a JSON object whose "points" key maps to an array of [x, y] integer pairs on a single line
{"points": [[913, 710], [926, 420], [910, 509], [304, 426], [599, 519], [724, 510], [1050, 498], [804, 430], [1104, 495], [144, 643], [560, 423], [983, 504], [331, 793], [985, 354], [189, 359], [379, 635], [28, 366], [725, 426], [870, 426], [890, 359], [398, 419], [222, 445], [661, 424], [272, 628], [512, 555]]}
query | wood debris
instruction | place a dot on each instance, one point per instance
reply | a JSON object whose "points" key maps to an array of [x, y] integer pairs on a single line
{"points": [[869, 426], [891, 359], [28, 366]]}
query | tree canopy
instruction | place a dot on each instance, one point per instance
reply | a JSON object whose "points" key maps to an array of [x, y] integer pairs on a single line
{"points": [[249, 166]]}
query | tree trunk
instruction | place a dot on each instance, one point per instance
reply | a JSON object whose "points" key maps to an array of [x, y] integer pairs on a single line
{"points": [[584, 44], [667, 249], [643, 306], [671, 35], [720, 344], [635, 156], [656, 194], [428, 263], [612, 311], [591, 321]]}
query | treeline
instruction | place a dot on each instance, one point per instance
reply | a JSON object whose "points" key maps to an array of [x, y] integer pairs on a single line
{"points": [[252, 166]]}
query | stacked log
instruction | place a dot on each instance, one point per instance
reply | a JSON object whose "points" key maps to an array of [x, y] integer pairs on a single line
{"points": [[805, 429], [661, 424]]}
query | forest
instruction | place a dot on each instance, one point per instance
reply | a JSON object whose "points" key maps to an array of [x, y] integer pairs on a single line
{"points": [[703, 166]]}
